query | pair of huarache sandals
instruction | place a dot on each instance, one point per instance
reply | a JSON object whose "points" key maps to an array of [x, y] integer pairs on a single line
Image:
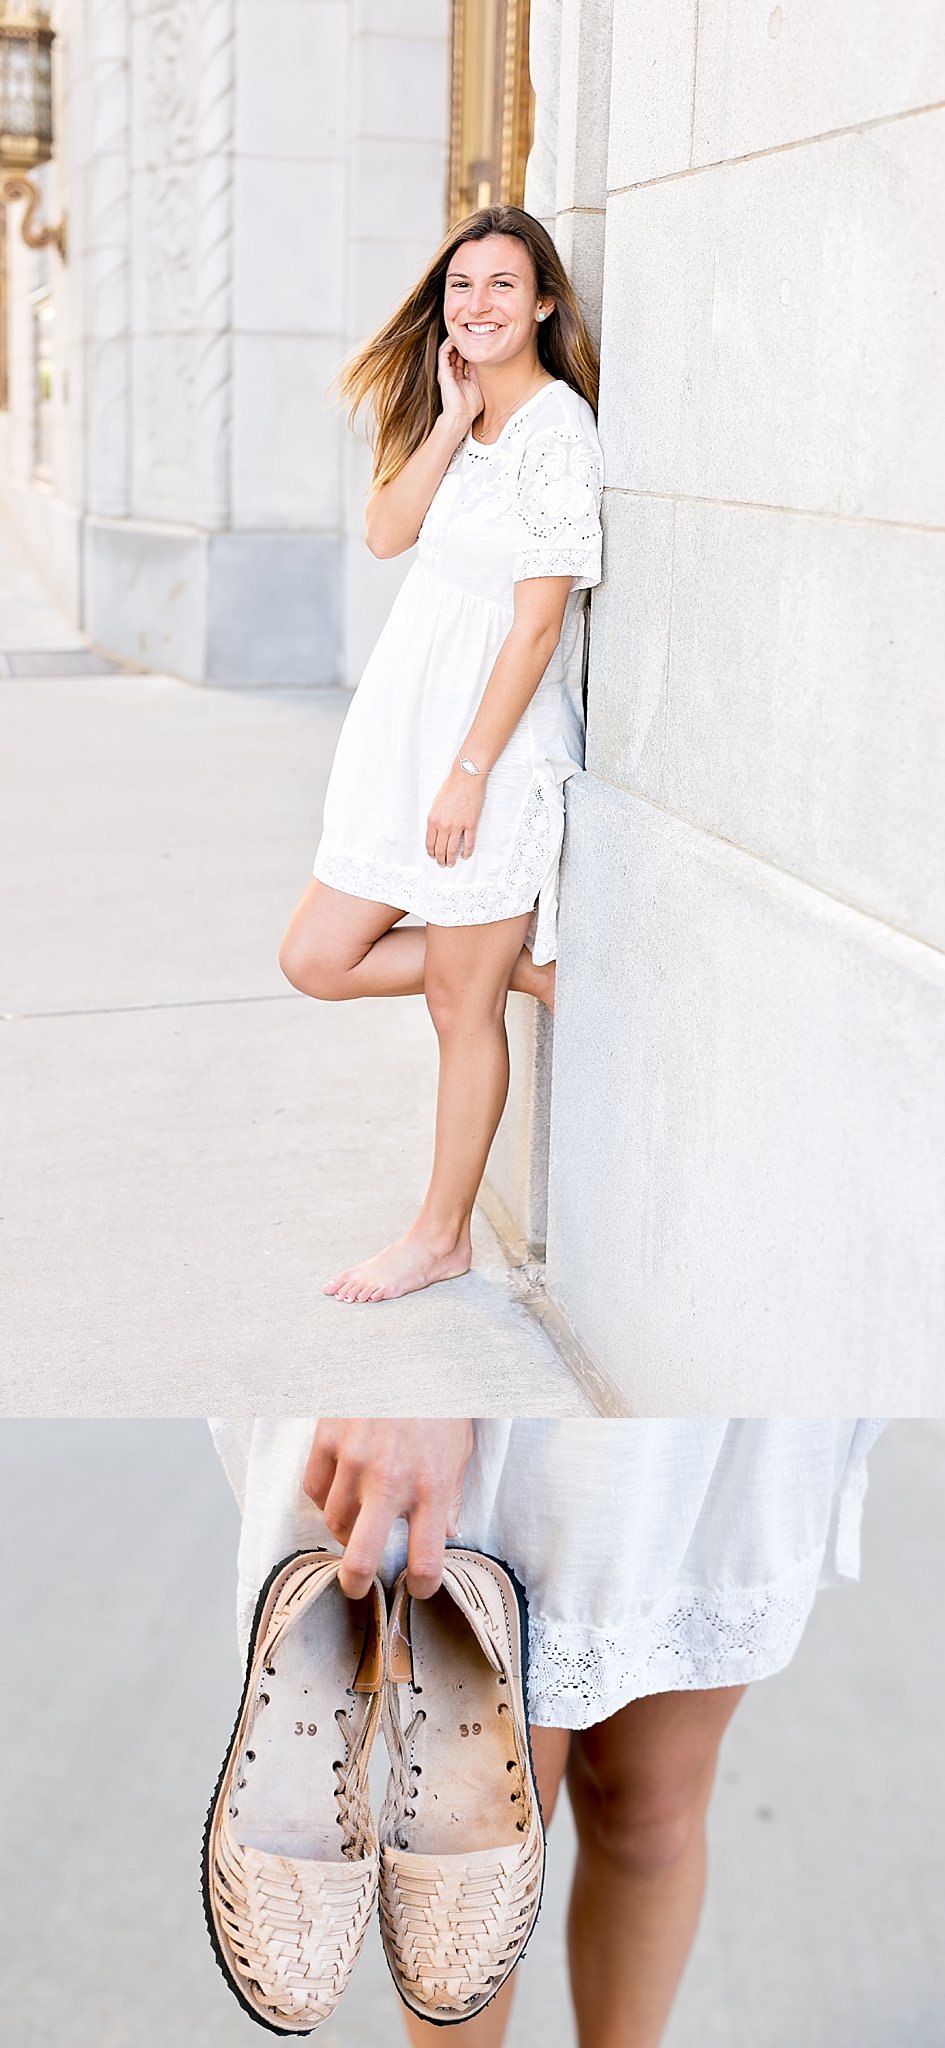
{"points": [[293, 1858]]}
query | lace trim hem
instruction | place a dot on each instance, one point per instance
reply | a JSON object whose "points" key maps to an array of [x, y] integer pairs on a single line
{"points": [[582, 564], [698, 1638], [532, 858]]}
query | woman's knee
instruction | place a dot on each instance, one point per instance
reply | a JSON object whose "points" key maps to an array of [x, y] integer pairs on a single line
{"points": [[311, 971], [641, 1828], [458, 1011]]}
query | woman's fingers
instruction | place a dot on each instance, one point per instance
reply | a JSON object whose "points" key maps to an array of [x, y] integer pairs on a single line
{"points": [[447, 843], [365, 1546], [426, 1549], [320, 1469], [366, 1475], [342, 1506], [438, 842]]}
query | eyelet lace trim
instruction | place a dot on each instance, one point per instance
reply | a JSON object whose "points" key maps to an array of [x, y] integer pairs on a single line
{"points": [[516, 890], [557, 496], [702, 1637], [553, 486]]}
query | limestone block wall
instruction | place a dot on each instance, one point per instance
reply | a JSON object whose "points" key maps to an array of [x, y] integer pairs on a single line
{"points": [[223, 561], [398, 131], [747, 1176], [251, 184]]}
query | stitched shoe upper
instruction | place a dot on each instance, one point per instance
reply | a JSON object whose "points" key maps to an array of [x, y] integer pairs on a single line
{"points": [[291, 1859], [456, 1906]]}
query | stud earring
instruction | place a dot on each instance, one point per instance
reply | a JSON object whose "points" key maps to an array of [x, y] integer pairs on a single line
{"points": [[542, 316]]}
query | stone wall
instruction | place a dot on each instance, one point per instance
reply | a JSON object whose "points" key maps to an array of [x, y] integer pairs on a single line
{"points": [[250, 184], [747, 1177]]}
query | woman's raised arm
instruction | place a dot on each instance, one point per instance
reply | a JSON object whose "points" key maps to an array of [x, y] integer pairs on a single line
{"points": [[396, 511]]}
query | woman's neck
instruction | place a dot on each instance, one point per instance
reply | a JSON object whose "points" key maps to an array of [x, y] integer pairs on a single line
{"points": [[506, 386]]}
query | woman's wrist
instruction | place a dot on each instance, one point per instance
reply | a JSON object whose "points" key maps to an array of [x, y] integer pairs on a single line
{"points": [[449, 431]]}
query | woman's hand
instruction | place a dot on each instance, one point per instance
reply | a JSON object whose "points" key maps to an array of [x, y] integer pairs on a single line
{"points": [[364, 1475], [454, 817], [459, 386]]}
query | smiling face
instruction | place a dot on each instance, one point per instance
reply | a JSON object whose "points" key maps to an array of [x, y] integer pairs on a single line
{"points": [[490, 303]]}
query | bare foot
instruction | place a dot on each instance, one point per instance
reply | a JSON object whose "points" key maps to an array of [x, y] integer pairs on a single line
{"points": [[403, 1268], [529, 980]]}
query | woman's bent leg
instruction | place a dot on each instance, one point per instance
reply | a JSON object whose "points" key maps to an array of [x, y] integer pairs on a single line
{"points": [[639, 1786], [338, 946], [549, 1756], [467, 974]]}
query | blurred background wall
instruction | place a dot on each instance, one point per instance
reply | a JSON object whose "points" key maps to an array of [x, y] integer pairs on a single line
{"points": [[249, 186]]}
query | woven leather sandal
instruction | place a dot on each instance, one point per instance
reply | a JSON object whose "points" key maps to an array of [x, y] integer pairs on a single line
{"points": [[290, 1848], [462, 1842]]}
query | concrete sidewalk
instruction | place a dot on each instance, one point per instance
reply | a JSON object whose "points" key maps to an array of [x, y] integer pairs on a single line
{"points": [[824, 1919], [193, 1148]]}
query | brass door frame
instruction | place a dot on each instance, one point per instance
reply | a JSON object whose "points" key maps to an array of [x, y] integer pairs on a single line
{"points": [[512, 110]]}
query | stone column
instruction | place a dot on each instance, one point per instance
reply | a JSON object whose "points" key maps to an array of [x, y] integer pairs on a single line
{"points": [[216, 114], [108, 260], [398, 129]]}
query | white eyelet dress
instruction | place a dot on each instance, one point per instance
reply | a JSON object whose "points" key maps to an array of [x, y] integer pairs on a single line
{"points": [[525, 505], [657, 1556]]}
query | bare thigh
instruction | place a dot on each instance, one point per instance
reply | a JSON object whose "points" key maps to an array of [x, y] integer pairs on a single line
{"points": [[642, 1779], [329, 933], [468, 968]]}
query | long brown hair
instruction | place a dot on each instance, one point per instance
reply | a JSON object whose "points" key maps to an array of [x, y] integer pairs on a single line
{"points": [[396, 369]]}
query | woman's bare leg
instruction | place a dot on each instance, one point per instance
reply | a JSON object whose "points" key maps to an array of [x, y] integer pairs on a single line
{"points": [[640, 1785], [337, 947], [549, 1755], [529, 980], [467, 972]]}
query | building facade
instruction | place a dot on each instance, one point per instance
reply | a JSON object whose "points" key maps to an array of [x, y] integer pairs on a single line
{"points": [[743, 1190], [249, 184]]}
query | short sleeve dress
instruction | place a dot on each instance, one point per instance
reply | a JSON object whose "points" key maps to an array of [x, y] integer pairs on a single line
{"points": [[657, 1556], [525, 505]]}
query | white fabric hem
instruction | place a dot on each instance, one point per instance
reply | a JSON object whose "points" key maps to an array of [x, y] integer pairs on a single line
{"points": [[530, 873], [702, 1637]]}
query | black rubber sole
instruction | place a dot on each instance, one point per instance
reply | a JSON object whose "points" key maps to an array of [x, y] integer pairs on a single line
{"points": [[459, 2019], [287, 2033]]}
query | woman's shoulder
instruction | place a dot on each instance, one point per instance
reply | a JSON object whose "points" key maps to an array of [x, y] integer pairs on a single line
{"points": [[561, 412]]}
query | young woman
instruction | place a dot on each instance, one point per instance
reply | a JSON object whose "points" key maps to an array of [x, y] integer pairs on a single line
{"points": [[666, 1563], [446, 794]]}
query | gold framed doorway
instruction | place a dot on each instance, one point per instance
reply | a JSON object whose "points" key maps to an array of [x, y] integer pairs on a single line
{"points": [[493, 105]]}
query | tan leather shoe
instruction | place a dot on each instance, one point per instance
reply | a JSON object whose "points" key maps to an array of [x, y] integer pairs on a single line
{"points": [[461, 1840], [290, 1847]]}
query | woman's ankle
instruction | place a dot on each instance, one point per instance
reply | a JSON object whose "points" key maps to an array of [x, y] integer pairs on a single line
{"points": [[443, 1234]]}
